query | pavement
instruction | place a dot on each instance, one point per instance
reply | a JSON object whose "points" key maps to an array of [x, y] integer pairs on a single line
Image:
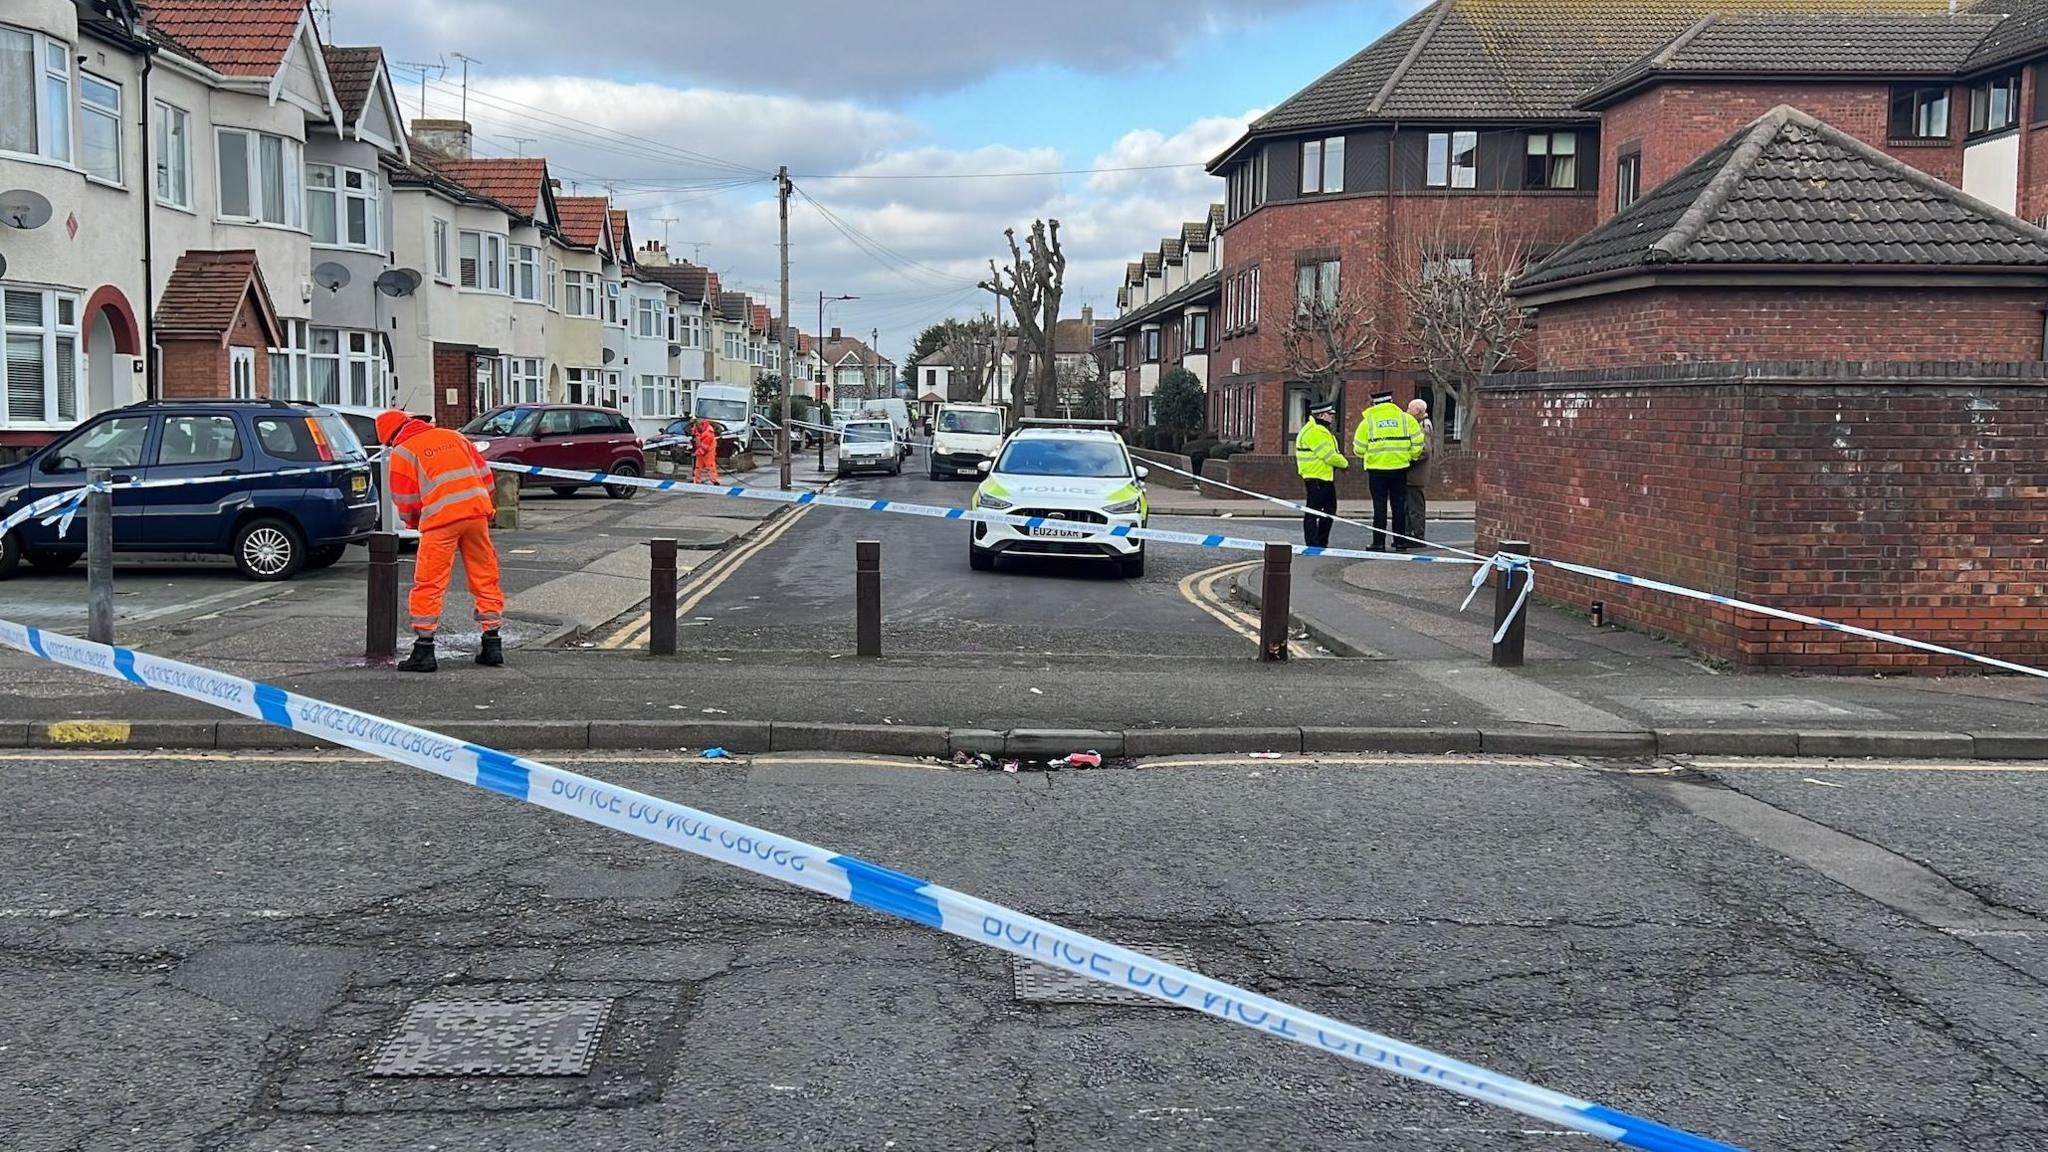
{"points": [[1840, 961], [1033, 654]]}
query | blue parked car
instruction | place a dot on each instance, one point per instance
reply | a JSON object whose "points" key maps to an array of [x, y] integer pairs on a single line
{"points": [[273, 528]]}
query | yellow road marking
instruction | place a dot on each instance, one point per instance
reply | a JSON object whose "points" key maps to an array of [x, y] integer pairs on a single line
{"points": [[1200, 589], [704, 582], [87, 732]]}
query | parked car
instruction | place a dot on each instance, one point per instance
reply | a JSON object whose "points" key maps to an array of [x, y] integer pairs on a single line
{"points": [[868, 445], [571, 437], [273, 528], [1069, 473]]}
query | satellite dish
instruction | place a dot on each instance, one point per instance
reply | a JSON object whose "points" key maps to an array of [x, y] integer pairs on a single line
{"points": [[675, 350], [24, 209], [331, 276], [398, 282], [3, 266], [610, 355]]}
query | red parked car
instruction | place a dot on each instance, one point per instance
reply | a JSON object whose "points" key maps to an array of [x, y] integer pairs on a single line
{"points": [[572, 437]]}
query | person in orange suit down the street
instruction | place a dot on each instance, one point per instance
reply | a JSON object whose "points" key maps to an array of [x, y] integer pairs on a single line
{"points": [[704, 450], [442, 487]]}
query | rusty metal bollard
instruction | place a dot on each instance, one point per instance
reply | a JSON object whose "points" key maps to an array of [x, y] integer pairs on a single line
{"points": [[661, 597], [867, 597], [380, 635], [1276, 588]]}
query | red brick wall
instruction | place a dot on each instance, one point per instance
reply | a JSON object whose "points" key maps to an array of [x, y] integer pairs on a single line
{"points": [[2034, 175], [1675, 122], [1669, 325], [454, 371], [194, 368], [1874, 495]]}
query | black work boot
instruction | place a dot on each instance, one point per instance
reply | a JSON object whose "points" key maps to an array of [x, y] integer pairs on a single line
{"points": [[492, 654], [422, 658]]}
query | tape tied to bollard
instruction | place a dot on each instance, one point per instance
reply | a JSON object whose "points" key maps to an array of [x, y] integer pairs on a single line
{"points": [[1505, 563], [828, 873]]}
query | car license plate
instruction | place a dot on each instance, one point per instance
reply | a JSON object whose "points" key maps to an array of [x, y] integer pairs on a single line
{"points": [[1060, 532]]}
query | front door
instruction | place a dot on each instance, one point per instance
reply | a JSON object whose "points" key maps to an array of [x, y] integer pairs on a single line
{"points": [[190, 447]]}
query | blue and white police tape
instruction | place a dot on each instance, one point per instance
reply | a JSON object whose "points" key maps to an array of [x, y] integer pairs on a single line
{"points": [[841, 877], [969, 515], [1305, 510], [59, 508]]}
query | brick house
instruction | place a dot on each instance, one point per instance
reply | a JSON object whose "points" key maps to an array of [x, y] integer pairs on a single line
{"points": [[1166, 317], [215, 326], [1502, 130], [1691, 417]]}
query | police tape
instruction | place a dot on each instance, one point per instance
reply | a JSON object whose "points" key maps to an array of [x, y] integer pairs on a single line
{"points": [[59, 508], [1081, 529], [1308, 511], [842, 877]]}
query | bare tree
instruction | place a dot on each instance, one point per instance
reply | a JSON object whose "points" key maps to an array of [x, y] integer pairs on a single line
{"points": [[1084, 390], [1036, 280], [968, 347], [1463, 322], [1328, 336]]}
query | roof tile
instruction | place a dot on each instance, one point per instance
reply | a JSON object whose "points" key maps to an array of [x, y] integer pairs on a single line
{"points": [[353, 72], [516, 182], [232, 37], [206, 290], [582, 219]]}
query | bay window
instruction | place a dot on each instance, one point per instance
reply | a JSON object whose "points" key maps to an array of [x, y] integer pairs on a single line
{"points": [[330, 366], [259, 177], [173, 156], [482, 261], [1322, 165], [440, 249], [691, 334], [526, 273], [581, 289], [35, 95], [648, 317], [342, 206], [99, 128], [523, 380], [39, 356]]}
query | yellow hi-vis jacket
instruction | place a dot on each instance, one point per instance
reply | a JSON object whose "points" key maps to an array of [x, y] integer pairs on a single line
{"points": [[1315, 452], [1388, 438]]}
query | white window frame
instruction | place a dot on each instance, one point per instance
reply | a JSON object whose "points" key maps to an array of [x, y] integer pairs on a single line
{"points": [[173, 164], [440, 245], [91, 110], [490, 262], [291, 178], [368, 192], [580, 288], [691, 334], [241, 372], [525, 379], [1544, 145], [648, 317], [50, 74], [612, 314], [1444, 150], [524, 280], [554, 278], [55, 340]]}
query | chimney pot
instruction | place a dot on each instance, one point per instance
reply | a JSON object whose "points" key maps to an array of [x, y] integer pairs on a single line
{"points": [[835, 333]]}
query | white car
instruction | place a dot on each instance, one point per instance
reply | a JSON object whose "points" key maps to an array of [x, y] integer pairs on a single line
{"points": [[868, 445], [363, 422], [1070, 473], [963, 437]]}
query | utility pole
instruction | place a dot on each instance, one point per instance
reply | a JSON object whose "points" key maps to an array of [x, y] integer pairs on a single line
{"points": [[788, 349]]}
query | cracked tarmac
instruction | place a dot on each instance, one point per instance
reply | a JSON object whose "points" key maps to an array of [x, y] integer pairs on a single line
{"points": [[206, 953]]}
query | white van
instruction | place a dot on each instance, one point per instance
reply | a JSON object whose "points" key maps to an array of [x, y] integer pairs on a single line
{"points": [[963, 437], [896, 412], [730, 406]]}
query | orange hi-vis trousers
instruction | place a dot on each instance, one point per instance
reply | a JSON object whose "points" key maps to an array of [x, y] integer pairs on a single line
{"points": [[434, 566], [706, 469]]}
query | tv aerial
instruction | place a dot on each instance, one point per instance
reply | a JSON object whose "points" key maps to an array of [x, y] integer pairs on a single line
{"points": [[24, 209]]}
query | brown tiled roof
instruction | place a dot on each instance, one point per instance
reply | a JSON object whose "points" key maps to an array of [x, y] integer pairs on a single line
{"points": [[622, 231], [232, 37], [1170, 249], [519, 183], [687, 280], [353, 72], [582, 219], [835, 349], [759, 321], [1788, 189], [1194, 236], [735, 306], [1134, 273], [1519, 59], [803, 344], [1809, 45], [206, 293], [1151, 263]]}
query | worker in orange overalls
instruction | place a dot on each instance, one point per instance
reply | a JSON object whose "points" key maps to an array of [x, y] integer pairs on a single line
{"points": [[704, 449], [442, 487]]}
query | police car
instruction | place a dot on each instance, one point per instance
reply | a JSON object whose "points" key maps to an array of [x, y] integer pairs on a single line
{"points": [[1072, 474]]}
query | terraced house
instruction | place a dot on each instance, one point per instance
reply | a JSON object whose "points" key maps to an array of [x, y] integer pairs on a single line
{"points": [[1489, 134]]}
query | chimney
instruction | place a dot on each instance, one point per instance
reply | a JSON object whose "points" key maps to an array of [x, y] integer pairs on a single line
{"points": [[653, 255], [448, 139], [835, 334], [1088, 319]]}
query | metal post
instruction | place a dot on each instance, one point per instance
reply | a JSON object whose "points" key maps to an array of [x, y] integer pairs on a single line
{"points": [[788, 346], [661, 597], [1275, 591], [380, 636], [867, 597], [1507, 588], [99, 558]]}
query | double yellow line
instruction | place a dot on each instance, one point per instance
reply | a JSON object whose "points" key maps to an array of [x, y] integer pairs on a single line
{"points": [[1202, 590], [705, 581]]}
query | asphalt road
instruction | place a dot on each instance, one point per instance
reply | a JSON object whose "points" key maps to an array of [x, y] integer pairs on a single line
{"points": [[209, 953]]}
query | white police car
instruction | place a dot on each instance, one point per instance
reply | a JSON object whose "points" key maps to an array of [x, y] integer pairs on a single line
{"points": [[1071, 474]]}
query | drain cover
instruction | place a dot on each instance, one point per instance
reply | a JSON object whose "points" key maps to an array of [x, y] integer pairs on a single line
{"points": [[1038, 984], [493, 1038]]}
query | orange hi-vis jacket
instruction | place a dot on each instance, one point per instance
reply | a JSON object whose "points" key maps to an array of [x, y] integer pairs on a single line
{"points": [[706, 436], [438, 478]]}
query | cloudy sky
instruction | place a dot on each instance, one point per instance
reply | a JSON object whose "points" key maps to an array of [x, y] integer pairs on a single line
{"points": [[916, 130]]}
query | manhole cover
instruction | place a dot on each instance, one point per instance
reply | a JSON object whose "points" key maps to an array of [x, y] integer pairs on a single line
{"points": [[1038, 984], [493, 1038]]}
